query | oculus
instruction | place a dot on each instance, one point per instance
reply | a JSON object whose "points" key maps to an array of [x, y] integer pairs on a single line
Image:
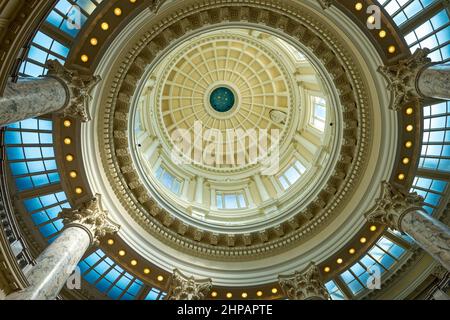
{"points": [[222, 99]]}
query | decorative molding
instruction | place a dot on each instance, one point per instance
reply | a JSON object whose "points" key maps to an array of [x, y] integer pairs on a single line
{"points": [[402, 78], [440, 272], [392, 205], [325, 4], [304, 285], [156, 5], [183, 287], [92, 218], [305, 29], [78, 89]]}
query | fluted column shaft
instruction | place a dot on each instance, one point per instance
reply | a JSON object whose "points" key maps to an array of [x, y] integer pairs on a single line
{"points": [[55, 265], [31, 98], [434, 82], [430, 234]]}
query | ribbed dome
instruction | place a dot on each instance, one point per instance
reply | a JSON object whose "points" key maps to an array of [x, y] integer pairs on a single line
{"points": [[235, 64]]}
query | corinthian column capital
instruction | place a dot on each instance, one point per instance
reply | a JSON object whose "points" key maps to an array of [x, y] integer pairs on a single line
{"points": [[403, 76], [78, 89], [392, 205], [183, 287], [304, 285], [91, 217]]}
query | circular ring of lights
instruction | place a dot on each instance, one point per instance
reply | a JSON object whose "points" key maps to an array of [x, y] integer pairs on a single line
{"points": [[328, 50]]}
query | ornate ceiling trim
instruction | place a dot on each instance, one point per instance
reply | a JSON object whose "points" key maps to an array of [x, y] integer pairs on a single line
{"points": [[301, 26]]}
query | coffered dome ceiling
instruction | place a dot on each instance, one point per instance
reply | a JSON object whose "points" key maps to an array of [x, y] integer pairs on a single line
{"points": [[266, 148], [230, 68]]}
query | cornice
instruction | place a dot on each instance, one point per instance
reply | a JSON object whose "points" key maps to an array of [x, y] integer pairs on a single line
{"points": [[303, 27], [21, 28]]}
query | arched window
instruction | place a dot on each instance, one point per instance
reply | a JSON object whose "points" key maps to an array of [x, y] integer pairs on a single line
{"points": [[319, 113]]}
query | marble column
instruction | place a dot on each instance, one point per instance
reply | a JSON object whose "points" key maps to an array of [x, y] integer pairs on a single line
{"points": [[61, 91], [434, 82], [416, 77], [304, 285], [403, 211], [83, 228], [183, 287]]}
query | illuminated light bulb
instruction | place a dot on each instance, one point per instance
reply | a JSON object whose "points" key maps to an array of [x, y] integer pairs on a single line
{"points": [[67, 141], [327, 269], [392, 49], [408, 144], [70, 157], [118, 11], [363, 240], [259, 294], [409, 111], [401, 176], [274, 290], [84, 58], [382, 34], [352, 251], [229, 295], [214, 294], [67, 123], [358, 6], [134, 263], [78, 190], [405, 161], [244, 295], [339, 261], [373, 228], [147, 271], [73, 174], [110, 242], [160, 278], [104, 26], [409, 128], [122, 253], [94, 41]]}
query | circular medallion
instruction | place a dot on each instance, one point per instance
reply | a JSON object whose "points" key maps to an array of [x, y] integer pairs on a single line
{"points": [[222, 99]]}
